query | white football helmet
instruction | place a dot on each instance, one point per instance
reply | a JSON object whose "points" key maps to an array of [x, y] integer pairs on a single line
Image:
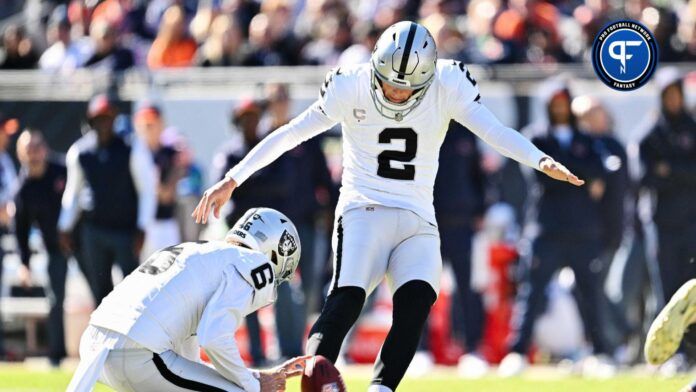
{"points": [[404, 57], [273, 234]]}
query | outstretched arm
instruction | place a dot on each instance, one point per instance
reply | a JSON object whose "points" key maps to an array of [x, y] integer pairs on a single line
{"points": [[511, 143], [310, 123]]}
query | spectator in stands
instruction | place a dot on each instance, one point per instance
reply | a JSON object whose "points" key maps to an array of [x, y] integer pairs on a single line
{"points": [[58, 39], [106, 52], [8, 186], [163, 231], [482, 45], [365, 36], [450, 42], [225, 46], [41, 185], [663, 23], [565, 237], [668, 154], [530, 31], [333, 38], [268, 47], [172, 47], [17, 50], [270, 187], [113, 183]]}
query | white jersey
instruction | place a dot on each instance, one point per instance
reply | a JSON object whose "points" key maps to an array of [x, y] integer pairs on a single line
{"points": [[192, 291], [388, 162]]}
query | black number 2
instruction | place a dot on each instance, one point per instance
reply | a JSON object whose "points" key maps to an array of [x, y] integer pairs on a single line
{"points": [[262, 275], [385, 169]]}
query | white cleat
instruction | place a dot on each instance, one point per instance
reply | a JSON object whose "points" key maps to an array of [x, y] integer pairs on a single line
{"points": [[512, 365], [666, 332], [598, 367], [472, 366], [421, 365]]}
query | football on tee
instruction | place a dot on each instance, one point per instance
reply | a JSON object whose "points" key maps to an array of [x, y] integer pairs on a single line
{"points": [[320, 375]]}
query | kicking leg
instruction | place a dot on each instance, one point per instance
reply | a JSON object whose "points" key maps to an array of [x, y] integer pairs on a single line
{"points": [[340, 312], [361, 253], [412, 303]]}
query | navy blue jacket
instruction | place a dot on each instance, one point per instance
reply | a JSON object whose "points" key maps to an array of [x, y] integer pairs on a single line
{"points": [[459, 186], [563, 209], [672, 142]]}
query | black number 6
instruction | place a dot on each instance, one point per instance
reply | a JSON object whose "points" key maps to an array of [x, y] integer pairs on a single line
{"points": [[260, 277]]}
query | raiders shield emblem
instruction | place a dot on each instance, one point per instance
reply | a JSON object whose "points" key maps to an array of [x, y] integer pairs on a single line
{"points": [[287, 244]]}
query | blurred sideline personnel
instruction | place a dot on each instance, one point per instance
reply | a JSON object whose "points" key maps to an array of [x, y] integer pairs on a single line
{"points": [[41, 185], [308, 178], [310, 187], [112, 182], [269, 187], [163, 231], [459, 200], [668, 154], [394, 113], [595, 121], [676, 324], [147, 334], [569, 227], [8, 187]]}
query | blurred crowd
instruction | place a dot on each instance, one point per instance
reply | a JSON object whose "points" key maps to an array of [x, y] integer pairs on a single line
{"points": [[119, 34], [127, 186]]}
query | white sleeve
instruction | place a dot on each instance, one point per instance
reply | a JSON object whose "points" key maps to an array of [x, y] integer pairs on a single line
{"points": [[70, 209], [477, 118], [222, 315], [308, 124], [465, 107], [144, 173]]}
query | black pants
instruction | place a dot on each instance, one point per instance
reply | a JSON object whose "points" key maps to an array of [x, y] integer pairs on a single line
{"points": [[456, 248], [57, 271], [548, 255], [676, 256], [101, 248]]}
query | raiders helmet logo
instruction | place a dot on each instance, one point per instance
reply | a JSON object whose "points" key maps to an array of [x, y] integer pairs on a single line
{"points": [[287, 244]]}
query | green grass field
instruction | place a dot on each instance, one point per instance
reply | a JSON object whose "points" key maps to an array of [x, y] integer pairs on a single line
{"points": [[18, 378]]}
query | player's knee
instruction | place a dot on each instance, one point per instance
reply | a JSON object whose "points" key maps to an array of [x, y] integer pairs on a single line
{"points": [[413, 300], [345, 302], [342, 309]]}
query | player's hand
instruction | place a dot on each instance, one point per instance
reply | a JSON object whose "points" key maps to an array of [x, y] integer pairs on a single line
{"points": [[24, 275], [213, 199], [272, 381], [295, 366], [65, 242], [558, 172]]}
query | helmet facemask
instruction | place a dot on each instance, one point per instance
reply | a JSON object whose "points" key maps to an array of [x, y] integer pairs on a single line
{"points": [[393, 110]]}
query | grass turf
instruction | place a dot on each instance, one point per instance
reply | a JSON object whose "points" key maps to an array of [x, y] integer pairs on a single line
{"points": [[18, 378]]}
